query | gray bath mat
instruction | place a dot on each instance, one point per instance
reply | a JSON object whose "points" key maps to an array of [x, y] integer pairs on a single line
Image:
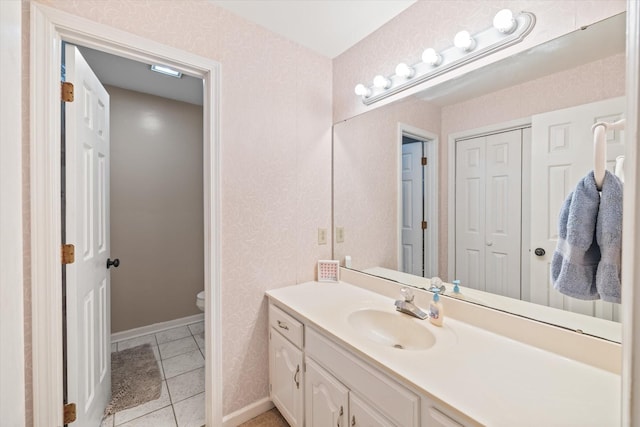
{"points": [[135, 378]]}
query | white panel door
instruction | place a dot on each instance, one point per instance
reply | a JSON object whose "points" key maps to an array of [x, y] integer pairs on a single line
{"points": [[87, 227], [326, 399], [488, 212], [562, 154], [286, 381], [412, 212], [503, 213], [470, 212]]}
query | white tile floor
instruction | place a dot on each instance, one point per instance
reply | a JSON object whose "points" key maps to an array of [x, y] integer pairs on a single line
{"points": [[180, 354]]}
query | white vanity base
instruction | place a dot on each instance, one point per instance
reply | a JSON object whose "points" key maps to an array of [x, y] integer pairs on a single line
{"points": [[481, 378]]}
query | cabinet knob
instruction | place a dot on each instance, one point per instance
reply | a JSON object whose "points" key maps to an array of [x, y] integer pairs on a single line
{"points": [[539, 252]]}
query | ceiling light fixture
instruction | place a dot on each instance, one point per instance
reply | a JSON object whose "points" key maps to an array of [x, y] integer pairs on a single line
{"points": [[163, 69], [506, 31]]}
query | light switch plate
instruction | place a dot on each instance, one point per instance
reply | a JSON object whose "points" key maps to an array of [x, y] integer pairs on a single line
{"points": [[322, 236], [339, 234]]}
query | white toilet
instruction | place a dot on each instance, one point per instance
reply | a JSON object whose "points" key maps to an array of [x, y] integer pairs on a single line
{"points": [[200, 300]]}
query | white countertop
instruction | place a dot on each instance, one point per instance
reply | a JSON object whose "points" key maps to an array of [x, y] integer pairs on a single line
{"points": [[492, 379]]}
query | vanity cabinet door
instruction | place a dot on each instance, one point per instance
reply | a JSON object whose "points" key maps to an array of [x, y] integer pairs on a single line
{"points": [[326, 399], [286, 378], [363, 415]]}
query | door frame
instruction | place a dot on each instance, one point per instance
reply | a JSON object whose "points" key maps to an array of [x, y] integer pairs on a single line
{"points": [[451, 162], [12, 337], [49, 27], [431, 189]]}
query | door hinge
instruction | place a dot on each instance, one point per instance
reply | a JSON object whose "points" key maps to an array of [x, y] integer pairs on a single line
{"points": [[68, 254], [424, 161], [270, 388], [424, 225], [69, 413], [67, 92]]}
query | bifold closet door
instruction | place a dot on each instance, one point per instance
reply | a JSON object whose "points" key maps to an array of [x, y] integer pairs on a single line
{"points": [[488, 212], [503, 213], [470, 212]]}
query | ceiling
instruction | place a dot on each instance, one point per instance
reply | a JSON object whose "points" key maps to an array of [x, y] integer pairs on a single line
{"points": [[328, 27]]}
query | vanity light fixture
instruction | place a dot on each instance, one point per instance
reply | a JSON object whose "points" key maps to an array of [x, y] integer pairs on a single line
{"points": [[464, 41], [362, 90], [404, 70], [504, 21], [163, 69], [507, 29], [431, 57], [381, 82]]}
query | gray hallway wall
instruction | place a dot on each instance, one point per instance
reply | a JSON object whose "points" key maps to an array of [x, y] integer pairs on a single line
{"points": [[156, 209]]}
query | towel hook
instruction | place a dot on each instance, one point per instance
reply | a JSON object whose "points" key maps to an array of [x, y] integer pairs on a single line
{"points": [[600, 148]]}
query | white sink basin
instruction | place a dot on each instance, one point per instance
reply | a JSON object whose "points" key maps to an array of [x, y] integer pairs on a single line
{"points": [[392, 329]]}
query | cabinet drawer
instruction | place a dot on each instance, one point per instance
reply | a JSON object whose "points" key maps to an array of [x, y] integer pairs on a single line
{"points": [[393, 400], [286, 325], [439, 419], [441, 415]]}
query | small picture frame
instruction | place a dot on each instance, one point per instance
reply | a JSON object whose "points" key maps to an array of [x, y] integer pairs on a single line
{"points": [[328, 271]]}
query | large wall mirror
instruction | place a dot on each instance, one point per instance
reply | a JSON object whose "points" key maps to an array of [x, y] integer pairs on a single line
{"points": [[466, 180]]}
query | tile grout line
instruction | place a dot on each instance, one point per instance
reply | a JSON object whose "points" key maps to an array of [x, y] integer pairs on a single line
{"points": [[160, 360]]}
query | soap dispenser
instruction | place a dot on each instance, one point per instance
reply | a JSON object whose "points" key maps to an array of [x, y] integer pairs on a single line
{"points": [[436, 311], [456, 290]]}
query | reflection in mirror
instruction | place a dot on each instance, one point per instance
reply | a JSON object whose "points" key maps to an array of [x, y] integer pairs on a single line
{"points": [[466, 181]]}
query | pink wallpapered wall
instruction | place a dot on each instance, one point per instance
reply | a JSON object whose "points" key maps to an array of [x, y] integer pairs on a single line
{"points": [[278, 100], [276, 163]]}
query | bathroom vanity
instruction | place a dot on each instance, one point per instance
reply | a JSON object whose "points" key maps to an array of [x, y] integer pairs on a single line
{"points": [[341, 355]]}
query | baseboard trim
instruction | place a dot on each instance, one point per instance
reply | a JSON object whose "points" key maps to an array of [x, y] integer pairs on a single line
{"points": [[156, 327], [248, 412]]}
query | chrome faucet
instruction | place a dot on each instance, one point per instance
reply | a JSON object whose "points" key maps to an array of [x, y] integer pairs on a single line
{"points": [[406, 306], [436, 285]]}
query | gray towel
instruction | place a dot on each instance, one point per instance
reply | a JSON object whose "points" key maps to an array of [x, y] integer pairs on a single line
{"points": [[609, 238], [575, 260]]}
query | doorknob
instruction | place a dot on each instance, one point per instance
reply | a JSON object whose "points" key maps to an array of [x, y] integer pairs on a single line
{"points": [[115, 263], [539, 252]]}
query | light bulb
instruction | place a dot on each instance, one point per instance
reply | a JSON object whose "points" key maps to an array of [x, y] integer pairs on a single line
{"points": [[362, 90], [464, 41], [504, 21], [431, 57], [403, 70], [381, 82]]}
